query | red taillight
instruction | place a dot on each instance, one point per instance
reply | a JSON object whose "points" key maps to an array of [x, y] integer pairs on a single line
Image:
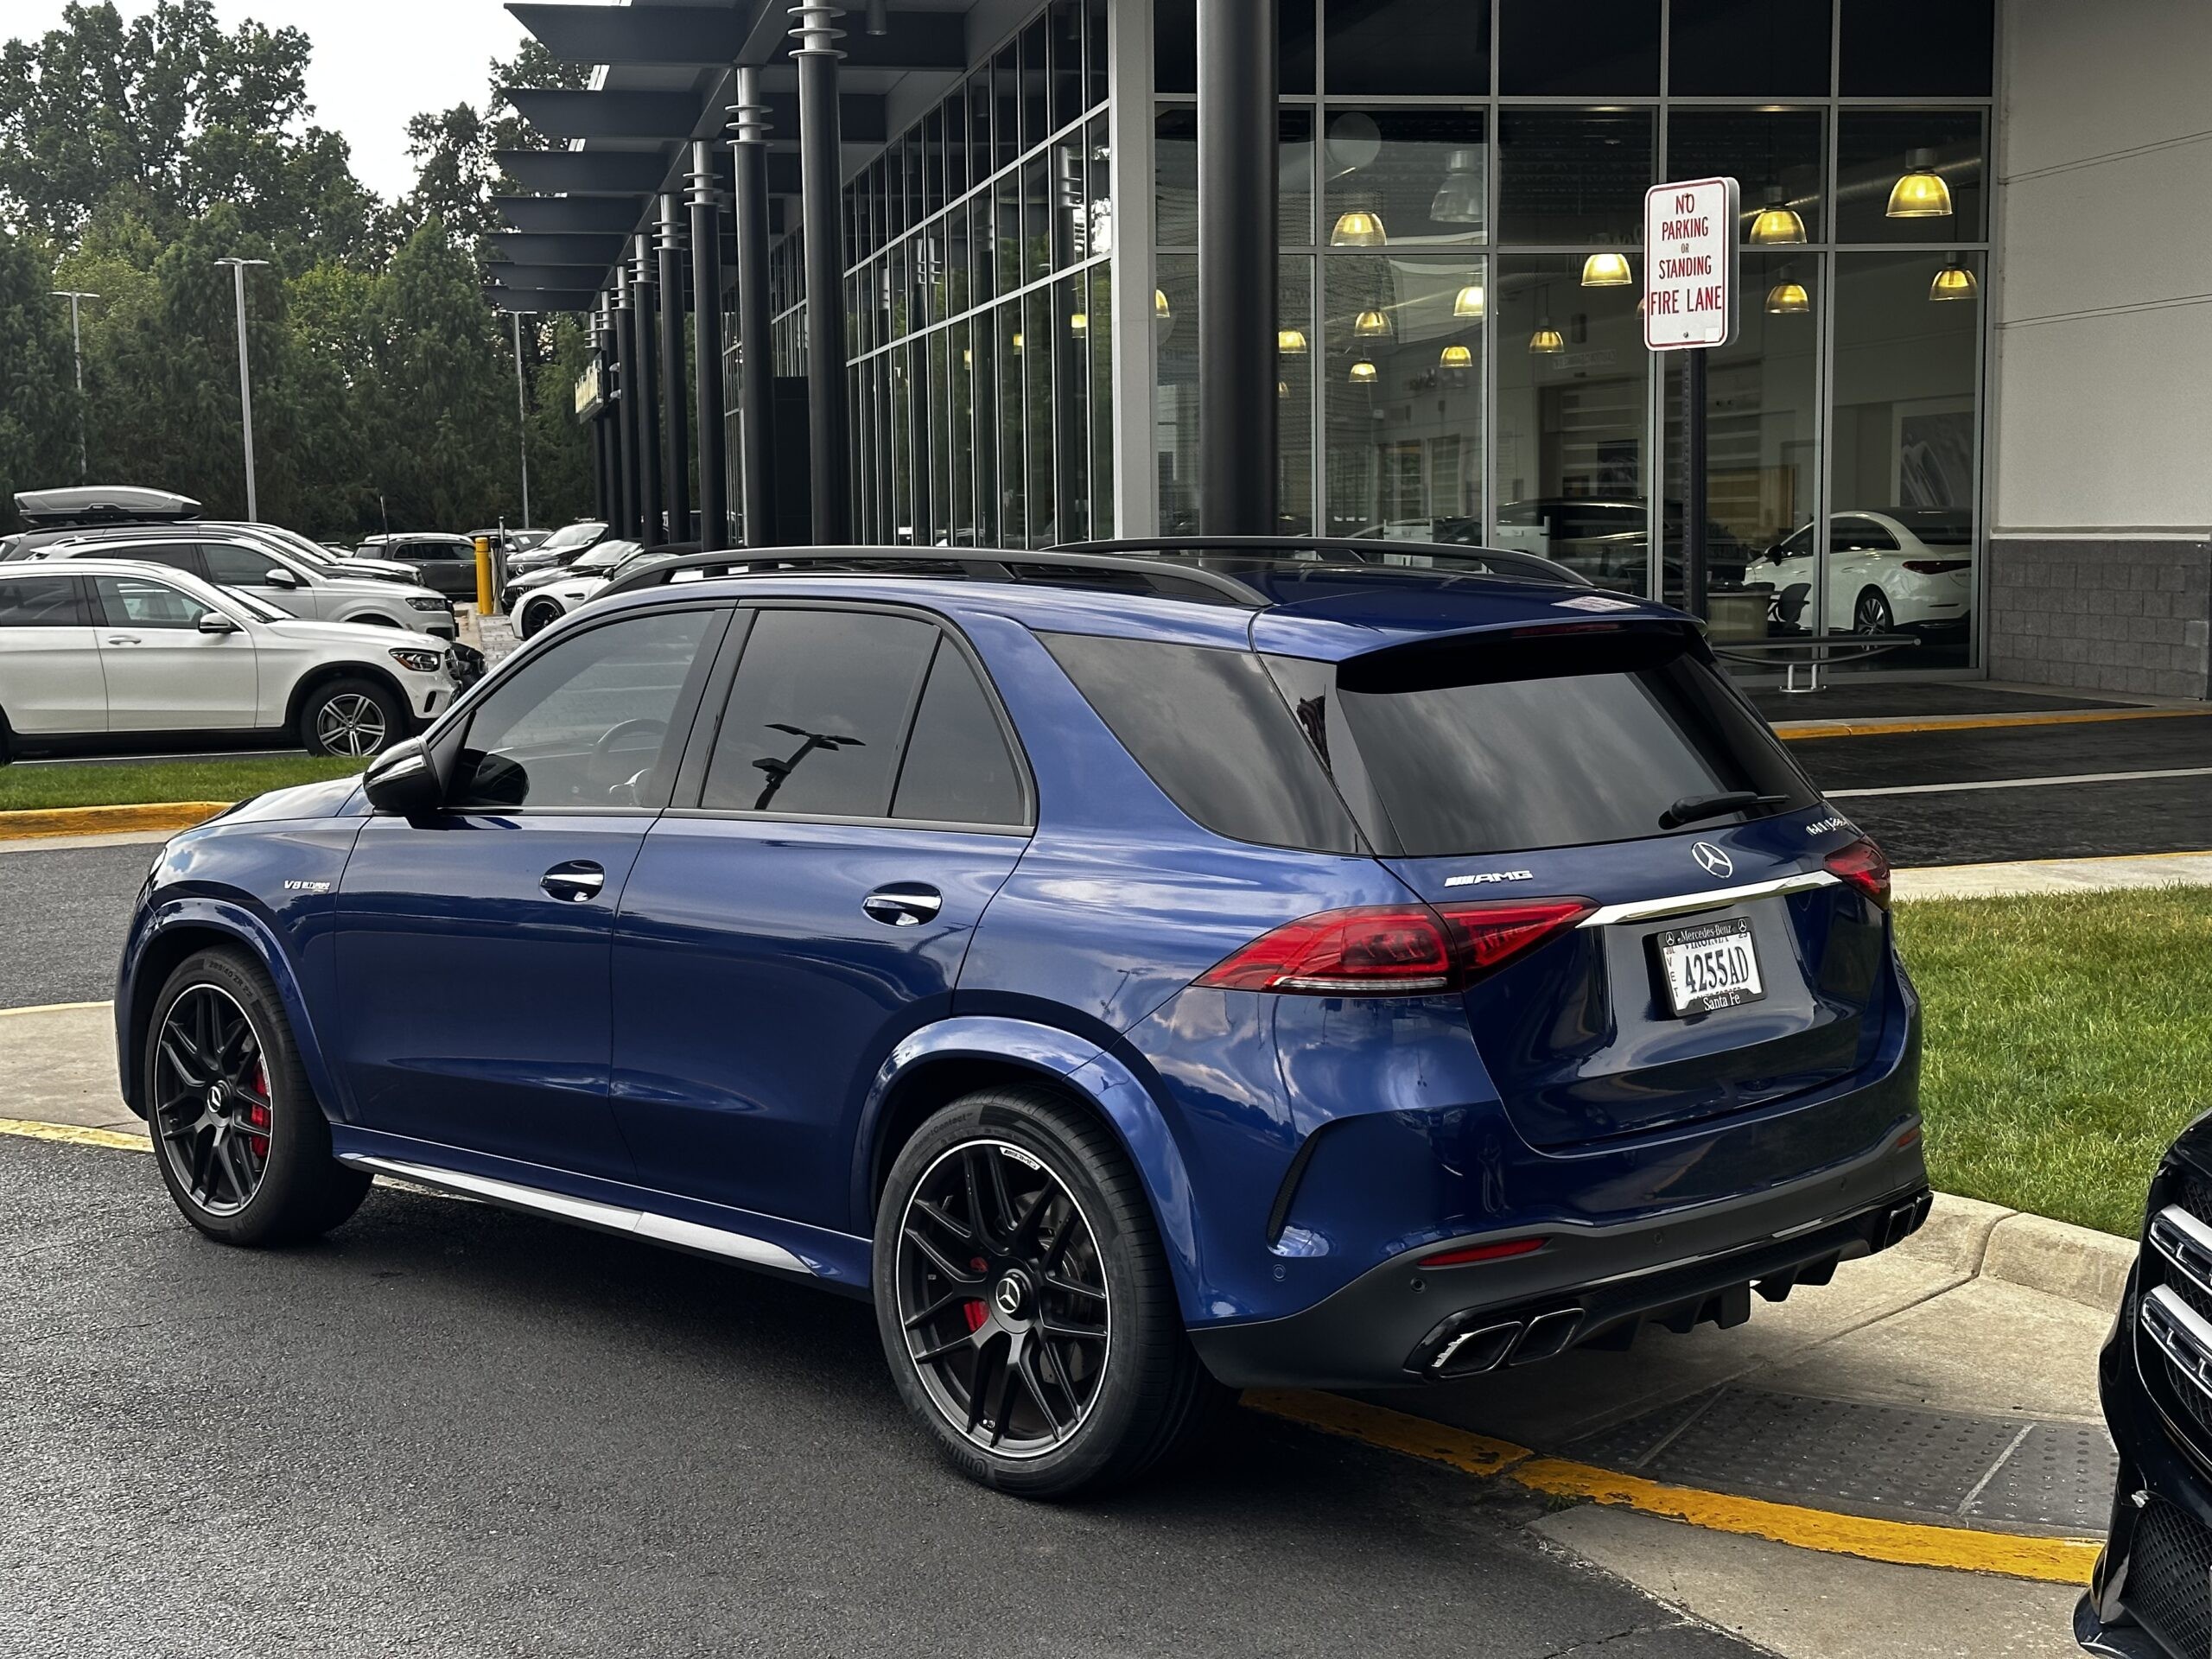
{"points": [[1392, 950], [1935, 567], [1861, 864], [1483, 1253]]}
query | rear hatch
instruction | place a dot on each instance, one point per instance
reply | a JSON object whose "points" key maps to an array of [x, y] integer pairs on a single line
{"points": [[1714, 962]]}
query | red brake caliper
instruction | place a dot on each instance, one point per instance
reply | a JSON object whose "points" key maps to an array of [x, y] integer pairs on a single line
{"points": [[257, 1116], [975, 1312]]}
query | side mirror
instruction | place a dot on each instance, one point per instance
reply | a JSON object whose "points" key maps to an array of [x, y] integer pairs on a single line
{"points": [[280, 577], [403, 782], [216, 622]]}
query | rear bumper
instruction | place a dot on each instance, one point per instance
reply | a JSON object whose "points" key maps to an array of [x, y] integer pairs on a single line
{"points": [[1399, 1324]]}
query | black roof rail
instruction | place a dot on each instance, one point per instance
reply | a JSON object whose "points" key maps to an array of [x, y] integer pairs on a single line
{"points": [[989, 564], [1365, 549]]}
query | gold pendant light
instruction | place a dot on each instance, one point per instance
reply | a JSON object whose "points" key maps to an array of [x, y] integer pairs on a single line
{"points": [[1079, 323], [1161, 311], [1356, 227], [1921, 193], [1606, 270], [1471, 301], [1787, 297], [1952, 281], [1291, 342], [1363, 374], [1371, 325], [1546, 341], [1778, 222], [1456, 359]]}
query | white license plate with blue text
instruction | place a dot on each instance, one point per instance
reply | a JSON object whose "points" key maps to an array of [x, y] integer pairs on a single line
{"points": [[1712, 966]]}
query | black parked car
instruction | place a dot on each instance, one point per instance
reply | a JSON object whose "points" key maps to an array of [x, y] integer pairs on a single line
{"points": [[2152, 1598], [448, 563]]}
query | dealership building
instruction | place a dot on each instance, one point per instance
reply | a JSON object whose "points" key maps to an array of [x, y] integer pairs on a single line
{"points": [[1005, 275]]}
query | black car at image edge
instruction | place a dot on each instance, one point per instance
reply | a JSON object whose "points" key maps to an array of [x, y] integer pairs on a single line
{"points": [[2152, 1597]]}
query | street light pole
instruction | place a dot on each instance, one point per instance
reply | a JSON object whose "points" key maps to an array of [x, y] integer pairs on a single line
{"points": [[522, 421], [77, 338], [245, 383]]}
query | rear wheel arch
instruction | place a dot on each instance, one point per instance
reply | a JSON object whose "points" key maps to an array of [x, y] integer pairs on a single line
{"points": [[931, 1085]]}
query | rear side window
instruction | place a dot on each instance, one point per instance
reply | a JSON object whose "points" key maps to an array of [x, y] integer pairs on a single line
{"points": [[1210, 728], [1491, 746], [957, 768], [817, 713], [178, 556], [42, 602]]}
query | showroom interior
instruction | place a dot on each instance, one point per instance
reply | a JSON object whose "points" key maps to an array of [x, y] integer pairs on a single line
{"points": [[1965, 255]]}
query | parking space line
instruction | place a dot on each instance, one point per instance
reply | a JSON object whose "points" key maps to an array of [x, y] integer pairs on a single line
{"points": [[1807, 731], [73, 1135], [2020, 783], [1904, 1543]]}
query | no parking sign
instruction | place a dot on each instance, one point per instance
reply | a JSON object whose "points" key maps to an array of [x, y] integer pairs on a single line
{"points": [[1689, 259]]}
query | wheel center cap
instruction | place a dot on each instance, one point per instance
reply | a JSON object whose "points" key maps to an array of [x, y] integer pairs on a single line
{"points": [[215, 1097], [1010, 1295]]}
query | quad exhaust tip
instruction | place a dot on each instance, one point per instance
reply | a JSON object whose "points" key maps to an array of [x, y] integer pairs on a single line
{"points": [[1511, 1341]]}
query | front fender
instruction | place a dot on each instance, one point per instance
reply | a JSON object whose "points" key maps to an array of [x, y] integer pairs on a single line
{"points": [[1098, 1075], [163, 922]]}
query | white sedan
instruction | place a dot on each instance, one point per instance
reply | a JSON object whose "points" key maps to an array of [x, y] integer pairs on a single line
{"points": [[104, 651], [1904, 569]]}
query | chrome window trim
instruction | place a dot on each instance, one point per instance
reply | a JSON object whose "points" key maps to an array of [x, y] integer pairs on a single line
{"points": [[585, 1212], [1647, 910]]}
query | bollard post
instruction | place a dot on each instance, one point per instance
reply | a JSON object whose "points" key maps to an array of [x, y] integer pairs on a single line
{"points": [[484, 594]]}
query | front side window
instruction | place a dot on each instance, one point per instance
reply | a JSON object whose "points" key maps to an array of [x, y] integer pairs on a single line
{"points": [[586, 724], [139, 602], [818, 714], [240, 567], [42, 602]]}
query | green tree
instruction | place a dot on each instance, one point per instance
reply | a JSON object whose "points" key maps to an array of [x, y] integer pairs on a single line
{"points": [[443, 383], [38, 399], [454, 150]]}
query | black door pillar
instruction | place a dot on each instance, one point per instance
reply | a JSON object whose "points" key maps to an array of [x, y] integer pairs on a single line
{"points": [[675, 426], [756, 380], [707, 341], [823, 222], [645, 392], [1237, 266], [622, 334]]}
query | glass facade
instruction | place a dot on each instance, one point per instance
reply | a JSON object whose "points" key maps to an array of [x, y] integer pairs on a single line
{"points": [[1461, 356]]}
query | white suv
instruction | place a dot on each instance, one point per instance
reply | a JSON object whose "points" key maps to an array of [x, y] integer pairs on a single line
{"points": [[103, 650], [273, 573]]}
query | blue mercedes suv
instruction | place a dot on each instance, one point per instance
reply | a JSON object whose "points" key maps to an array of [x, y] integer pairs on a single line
{"points": [[1140, 971]]}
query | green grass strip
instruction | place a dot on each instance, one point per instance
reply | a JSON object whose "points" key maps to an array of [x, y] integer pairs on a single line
{"points": [[136, 783]]}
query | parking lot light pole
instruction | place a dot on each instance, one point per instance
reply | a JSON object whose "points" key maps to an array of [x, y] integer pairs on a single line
{"points": [[75, 296], [522, 421], [245, 384]]}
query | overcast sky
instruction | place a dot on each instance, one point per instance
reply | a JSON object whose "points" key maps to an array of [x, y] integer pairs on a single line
{"points": [[376, 62]]}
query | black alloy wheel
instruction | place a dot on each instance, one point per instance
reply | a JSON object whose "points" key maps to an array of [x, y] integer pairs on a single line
{"points": [[211, 1099], [242, 1143], [1025, 1301], [1002, 1298]]}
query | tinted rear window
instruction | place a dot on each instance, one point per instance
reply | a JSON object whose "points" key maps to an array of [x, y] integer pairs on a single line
{"points": [[1478, 746], [1210, 729]]}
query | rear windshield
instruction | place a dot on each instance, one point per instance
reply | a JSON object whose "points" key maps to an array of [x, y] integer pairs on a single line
{"points": [[1938, 526], [1488, 745]]}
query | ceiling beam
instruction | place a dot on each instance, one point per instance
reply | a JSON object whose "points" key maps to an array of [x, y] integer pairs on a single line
{"points": [[536, 302], [640, 33], [514, 275], [673, 116], [586, 172], [913, 40], [571, 215], [594, 252]]}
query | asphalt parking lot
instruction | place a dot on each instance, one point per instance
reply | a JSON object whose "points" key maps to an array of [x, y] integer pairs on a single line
{"points": [[451, 1430]]}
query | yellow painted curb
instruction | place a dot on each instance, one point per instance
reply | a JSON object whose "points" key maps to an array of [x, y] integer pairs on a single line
{"points": [[1905, 1543], [74, 1135], [106, 820], [1807, 731], [53, 1008]]}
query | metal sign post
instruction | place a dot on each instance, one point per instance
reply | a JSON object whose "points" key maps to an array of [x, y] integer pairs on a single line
{"points": [[1690, 305]]}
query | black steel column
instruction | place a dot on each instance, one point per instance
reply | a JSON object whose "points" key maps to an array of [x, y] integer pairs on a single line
{"points": [[1237, 266], [756, 380], [623, 335], [707, 341], [599, 463], [675, 426], [822, 219], [645, 394]]}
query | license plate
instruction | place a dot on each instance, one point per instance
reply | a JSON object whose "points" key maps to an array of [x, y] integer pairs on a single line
{"points": [[1714, 966]]}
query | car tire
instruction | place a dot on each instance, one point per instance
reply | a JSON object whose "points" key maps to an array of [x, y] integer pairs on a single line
{"points": [[1069, 1369], [7, 740], [242, 1143], [1871, 613], [537, 616], [350, 718]]}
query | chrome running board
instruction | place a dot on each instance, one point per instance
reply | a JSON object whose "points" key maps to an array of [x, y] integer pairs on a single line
{"points": [[585, 1212]]}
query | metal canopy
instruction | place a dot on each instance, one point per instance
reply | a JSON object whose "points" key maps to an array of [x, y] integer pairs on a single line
{"points": [[586, 172], [660, 35], [514, 275], [673, 116], [596, 252], [571, 215], [536, 301]]}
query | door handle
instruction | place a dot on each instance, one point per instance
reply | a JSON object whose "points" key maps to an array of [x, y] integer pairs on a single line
{"points": [[904, 904], [123, 639], [576, 882]]}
